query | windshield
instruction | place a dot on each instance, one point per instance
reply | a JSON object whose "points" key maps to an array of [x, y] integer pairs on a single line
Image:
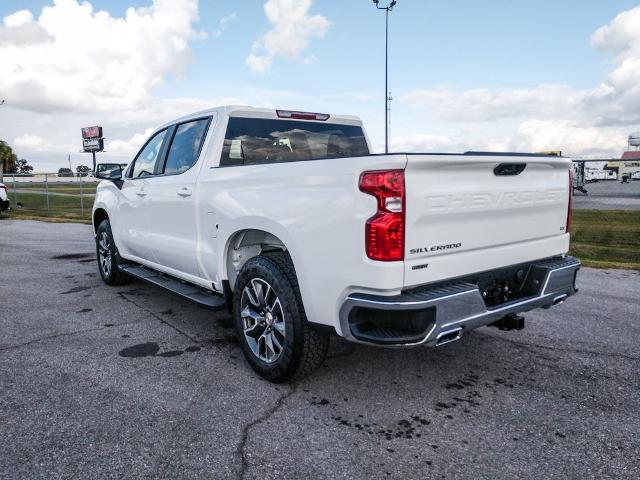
{"points": [[251, 141]]}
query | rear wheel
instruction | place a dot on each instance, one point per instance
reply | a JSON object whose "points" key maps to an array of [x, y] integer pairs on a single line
{"points": [[108, 259], [270, 321]]}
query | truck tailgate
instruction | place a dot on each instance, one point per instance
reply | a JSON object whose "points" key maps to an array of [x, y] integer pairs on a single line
{"points": [[471, 213]]}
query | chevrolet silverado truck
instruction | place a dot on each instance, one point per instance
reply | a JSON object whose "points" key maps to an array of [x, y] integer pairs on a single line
{"points": [[287, 220]]}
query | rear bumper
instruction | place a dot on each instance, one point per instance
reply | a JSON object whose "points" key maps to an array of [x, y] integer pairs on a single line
{"points": [[435, 315]]}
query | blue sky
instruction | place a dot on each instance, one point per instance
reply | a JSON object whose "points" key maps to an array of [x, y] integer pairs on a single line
{"points": [[463, 74]]}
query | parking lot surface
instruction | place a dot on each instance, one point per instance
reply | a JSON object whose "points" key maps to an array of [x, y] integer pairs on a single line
{"points": [[609, 195], [134, 382]]}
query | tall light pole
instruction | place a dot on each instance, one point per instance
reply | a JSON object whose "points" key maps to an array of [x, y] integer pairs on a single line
{"points": [[386, 9]]}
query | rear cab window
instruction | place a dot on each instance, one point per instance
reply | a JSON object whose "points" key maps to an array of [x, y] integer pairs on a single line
{"points": [[254, 141]]}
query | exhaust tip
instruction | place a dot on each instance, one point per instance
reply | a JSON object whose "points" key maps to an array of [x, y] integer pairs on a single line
{"points": [[448, 336], [559, 299]]}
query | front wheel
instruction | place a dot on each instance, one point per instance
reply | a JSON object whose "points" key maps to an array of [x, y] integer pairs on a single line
{"points": [[107, 254], [270, 321]]}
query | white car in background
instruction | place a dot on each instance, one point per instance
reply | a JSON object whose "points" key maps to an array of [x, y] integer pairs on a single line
{"points": [[4, 197]]}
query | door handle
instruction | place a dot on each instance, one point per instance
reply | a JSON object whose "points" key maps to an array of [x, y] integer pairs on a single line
{"points": [[184, 192], [141, 193]]}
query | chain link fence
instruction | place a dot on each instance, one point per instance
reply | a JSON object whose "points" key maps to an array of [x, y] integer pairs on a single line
{"points": [[608, 195], [605, 231], [65, 196], [596, 188]]}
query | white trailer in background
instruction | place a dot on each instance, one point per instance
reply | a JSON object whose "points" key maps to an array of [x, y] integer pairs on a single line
{"points": [[597, 174]]}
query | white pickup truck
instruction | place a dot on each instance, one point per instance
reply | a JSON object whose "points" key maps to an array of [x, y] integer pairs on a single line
{"points": [[287, 220]]}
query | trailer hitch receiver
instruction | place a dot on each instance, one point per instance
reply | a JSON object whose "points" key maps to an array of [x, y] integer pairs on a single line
{"points": [[510, 322]]}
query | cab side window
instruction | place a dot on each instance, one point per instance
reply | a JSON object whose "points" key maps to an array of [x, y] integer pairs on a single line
{"points": [[147, 160], [185, 146]]}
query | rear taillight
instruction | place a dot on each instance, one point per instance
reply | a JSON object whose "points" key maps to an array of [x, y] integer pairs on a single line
{"points": [[570, 207], [384, 232]]}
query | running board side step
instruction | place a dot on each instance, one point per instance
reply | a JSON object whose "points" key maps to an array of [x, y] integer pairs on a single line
{"points": [[194, 293]]}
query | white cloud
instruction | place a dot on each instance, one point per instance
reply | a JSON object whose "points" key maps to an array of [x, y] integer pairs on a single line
{"points": [[29, 141], [528, 135], [76, 59], [128, 147], [18, 18], [443, 142], [539, 135], [222, 24], [621, 37], [292, 30], [20, 29], [484, 104], [70, 66], [43, 145], [583, 121]]}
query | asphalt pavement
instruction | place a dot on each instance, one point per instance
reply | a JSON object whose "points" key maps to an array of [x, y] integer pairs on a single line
{"points": [[134, 382], [609, 195]]}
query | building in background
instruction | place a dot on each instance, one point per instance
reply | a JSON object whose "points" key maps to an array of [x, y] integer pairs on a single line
{"points": [[628, 166]]}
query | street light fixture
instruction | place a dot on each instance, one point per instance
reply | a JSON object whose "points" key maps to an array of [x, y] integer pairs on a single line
{"points": [[386, 9]]}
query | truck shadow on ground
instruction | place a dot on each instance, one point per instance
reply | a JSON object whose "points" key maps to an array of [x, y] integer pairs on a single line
{"points": [[478, 350], [457, 379]]}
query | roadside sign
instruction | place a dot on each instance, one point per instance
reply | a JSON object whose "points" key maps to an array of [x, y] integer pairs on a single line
{"points": [[93, 144], [92, 140], [92, 132]]}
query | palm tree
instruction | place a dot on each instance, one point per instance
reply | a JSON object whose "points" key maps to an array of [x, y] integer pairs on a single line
{"points": [[7, 157]]}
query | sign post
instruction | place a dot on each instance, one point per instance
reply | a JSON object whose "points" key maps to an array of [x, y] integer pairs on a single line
{"points": [[92, 141]]}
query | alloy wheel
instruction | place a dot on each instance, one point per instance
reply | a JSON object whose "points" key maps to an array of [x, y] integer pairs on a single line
{"points": [[104, 254], [263, 320]]}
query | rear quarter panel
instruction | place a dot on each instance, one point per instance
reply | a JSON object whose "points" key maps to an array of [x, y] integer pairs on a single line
{"points": [[316, 209]]}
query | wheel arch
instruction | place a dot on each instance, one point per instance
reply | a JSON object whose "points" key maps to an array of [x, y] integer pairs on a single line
{"points": [[99, 215], [245, 244]]}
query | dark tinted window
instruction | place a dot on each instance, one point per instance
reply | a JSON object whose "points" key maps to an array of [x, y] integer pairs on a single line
{"points": [[147, 160], [254, 140], [185, 146]]}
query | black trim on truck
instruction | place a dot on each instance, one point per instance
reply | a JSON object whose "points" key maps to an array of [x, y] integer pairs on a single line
{"points": [[505, 169]]}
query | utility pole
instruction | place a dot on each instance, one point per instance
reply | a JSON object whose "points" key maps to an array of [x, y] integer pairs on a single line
{"points": [[2, 164], [387, 95], [390, 99]]}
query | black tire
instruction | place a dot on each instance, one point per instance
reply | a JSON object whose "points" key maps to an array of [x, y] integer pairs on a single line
{"points": [[304, 349], [109, 265]]}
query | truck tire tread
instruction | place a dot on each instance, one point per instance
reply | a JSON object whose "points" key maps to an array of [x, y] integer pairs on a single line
{"points": [[309, 346]]}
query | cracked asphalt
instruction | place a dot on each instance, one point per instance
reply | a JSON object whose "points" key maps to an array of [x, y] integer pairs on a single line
{"points": [[134, 382]]}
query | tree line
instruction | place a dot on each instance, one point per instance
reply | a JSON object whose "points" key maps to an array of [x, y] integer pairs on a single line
{"points": [[10, 161]]}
